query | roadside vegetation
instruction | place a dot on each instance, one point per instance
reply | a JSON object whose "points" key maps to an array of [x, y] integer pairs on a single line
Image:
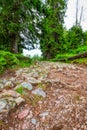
{"points": [[9, 60]]}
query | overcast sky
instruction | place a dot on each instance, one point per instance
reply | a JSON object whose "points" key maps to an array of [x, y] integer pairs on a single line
{"points": [[71, 13]]}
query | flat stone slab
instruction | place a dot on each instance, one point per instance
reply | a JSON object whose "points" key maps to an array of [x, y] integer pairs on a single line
{"points": [[39, 92]]}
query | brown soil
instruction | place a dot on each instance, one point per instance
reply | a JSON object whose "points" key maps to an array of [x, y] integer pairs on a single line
{"points": [[66, 102]]}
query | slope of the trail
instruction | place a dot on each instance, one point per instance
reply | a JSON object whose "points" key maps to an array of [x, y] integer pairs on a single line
{"points": [[45, 96]]}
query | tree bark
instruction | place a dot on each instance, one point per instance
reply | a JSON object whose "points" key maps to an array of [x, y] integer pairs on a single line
{"points": [[81, 15], [77, 13], [13, 44]]}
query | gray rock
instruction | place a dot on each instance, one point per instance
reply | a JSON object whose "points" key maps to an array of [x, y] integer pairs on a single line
{"points": [[3, 104], [4, 81], [33, 121], [11, 104], [9, 100], [8, 84], [1, 85], [19, 100], [35, 75], [44, 114], [12, 79], [39, 92], [26, 85], [33, 81], [9, 93], [18, 81], [19, 72]]}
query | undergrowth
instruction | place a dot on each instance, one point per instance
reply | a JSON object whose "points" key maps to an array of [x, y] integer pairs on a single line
{"points": [[80, 61], [14, 61], [7, 60], [71, 53]]}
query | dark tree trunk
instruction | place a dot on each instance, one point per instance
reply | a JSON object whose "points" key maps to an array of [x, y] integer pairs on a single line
{"points": [[13, 44]]}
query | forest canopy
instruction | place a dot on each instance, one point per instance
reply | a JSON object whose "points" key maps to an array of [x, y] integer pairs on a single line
{"points": [[24, 23], [19, 24]]}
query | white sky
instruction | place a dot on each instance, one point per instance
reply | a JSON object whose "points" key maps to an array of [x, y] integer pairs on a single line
{"points": [[32, 53], [71, 13]]}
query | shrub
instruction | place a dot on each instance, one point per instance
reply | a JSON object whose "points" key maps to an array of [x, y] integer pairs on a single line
{"points": [[7, 60]]}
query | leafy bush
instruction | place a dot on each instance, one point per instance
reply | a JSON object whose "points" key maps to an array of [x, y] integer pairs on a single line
{"points": [[81, 49], [7, 60], [74, 38]]}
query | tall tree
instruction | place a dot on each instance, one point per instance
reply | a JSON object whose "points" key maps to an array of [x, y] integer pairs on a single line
{"points": [[18, 21], [53, 28], [75, 37]]}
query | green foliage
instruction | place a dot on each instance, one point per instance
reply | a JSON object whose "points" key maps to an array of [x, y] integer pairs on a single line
{"points": [[80, 49], [21, 57], [23, 64], [7, 60], [74, 42], [24, 23], [19, 17], [35, 100], [85, 38], [52, 40], [71, 52], [36, 58], [65, 55], [42, 86], [20, 90], [74, 38], [25, 61], [2, 64], [80, 61]]}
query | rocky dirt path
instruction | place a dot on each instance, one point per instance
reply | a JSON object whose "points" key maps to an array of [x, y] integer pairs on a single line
{"points": [[46, 96]]}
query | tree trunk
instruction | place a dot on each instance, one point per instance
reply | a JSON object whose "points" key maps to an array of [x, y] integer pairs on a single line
{"points": [[13, 44], [81, 15], [77, 13]]}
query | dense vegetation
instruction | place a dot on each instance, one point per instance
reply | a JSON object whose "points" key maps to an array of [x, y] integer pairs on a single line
{"points": [[52, 34], [18, 24], [24, 23]]}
